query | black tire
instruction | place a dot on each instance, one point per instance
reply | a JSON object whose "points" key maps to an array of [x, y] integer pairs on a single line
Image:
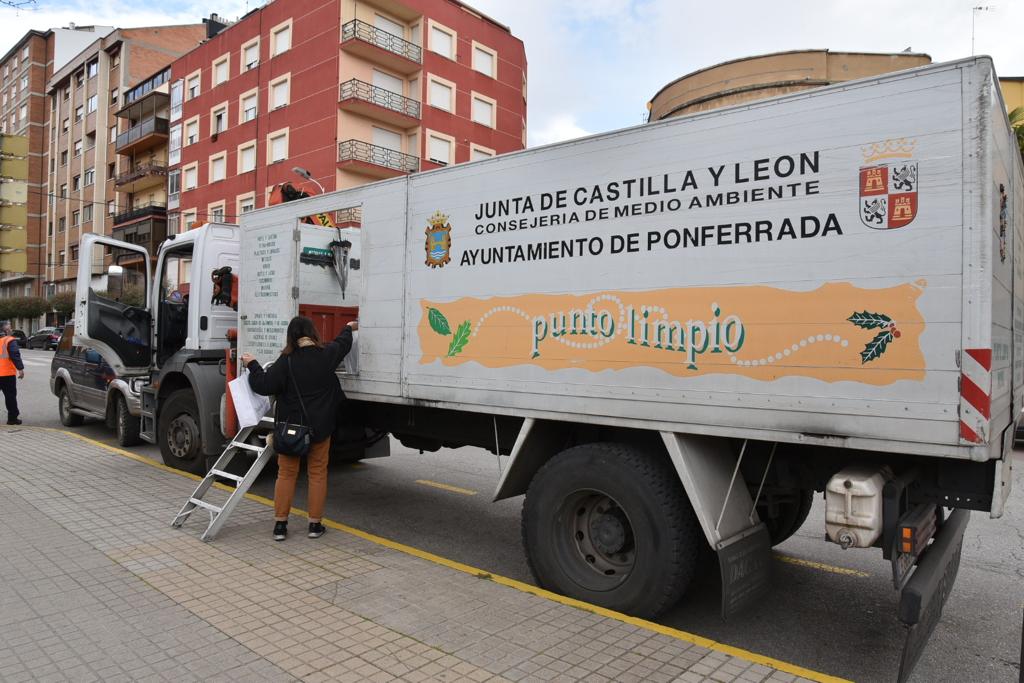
{"points": [[179, 433], [127, 425], [67, 418], [611, 525], [792, 515]]}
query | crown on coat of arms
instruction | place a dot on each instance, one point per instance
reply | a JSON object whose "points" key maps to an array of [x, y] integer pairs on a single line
{"points": [[900, 148], [438, 219]]}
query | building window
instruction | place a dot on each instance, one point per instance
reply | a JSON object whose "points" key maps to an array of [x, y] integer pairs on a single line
{"points": [[476, 152], [23, 112], [93, 68], [24, 82], [24, 54], [64, 158], [90, 140], [188, 219], [281, 38], [113, 95], [439, 149], [442, 40], [110, 171], [247, 157], [174, 145], [87, 213], [111, 207], [190, 177], [79, 79], [484, 60], [483, 110], [65, 125], [215, 212], [441, 94], [221, 69], [60, 258], [76, 218], [173, 189], [113, 133], [192, 131], [74, 253], [279, 90], [91, 104], [247, 106], [64, 191], [218, 119], [246, 203], [79, 112], [277, 146], [193, 86], [62, 223], [67, 94], [251, 55], [177, 96], [89, 177], [115, 60], [218, 167], [78, 148], [76, 183]]}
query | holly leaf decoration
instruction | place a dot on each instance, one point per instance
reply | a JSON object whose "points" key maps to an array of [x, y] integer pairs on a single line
{"points": [[870, 321], [459, 339], [876, 347], [438, 323]]}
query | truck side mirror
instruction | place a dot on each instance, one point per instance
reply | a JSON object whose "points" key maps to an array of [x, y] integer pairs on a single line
{"points": [[115, 282]]}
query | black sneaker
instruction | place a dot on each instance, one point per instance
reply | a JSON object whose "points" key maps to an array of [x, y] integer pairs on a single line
{"points": [[280, 531], [316, 529], [15, 421]]}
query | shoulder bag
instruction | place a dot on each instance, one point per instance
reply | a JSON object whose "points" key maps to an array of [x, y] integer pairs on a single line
{"points": [[292, 439]]}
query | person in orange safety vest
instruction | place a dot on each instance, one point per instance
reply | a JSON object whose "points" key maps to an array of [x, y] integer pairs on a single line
{"points": [[10, 367]]}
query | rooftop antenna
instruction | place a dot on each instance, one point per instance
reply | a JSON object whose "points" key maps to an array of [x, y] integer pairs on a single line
{"points": [[974, 15]]}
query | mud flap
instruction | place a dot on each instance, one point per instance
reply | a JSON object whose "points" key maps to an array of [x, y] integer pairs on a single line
{"points": [[746, 566], [928, 588]]}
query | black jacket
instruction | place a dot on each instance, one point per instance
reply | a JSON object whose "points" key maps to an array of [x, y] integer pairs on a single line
{"points": [[313, 369]]}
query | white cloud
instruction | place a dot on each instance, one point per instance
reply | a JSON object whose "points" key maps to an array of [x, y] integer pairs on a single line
{"points": [[556, 129]]}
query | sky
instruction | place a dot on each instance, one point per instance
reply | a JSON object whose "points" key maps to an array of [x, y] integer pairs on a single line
{"points": [[594, 64]]}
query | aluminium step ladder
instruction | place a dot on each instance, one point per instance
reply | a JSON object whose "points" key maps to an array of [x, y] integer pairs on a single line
{"points": [[239, 444]]}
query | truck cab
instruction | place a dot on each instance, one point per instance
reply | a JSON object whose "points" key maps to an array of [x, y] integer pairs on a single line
{"points": [[176, 343]]}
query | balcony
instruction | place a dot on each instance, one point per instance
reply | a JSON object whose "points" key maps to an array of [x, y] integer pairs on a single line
{"points": [[379, 103], [376, 45], [147, 234], [141, 211], [142, 176], [146, 135], [374, 160]]}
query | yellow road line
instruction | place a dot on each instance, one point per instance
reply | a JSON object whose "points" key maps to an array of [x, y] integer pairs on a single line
{"points": [[822, 567], [685, 636], [446, 487]]}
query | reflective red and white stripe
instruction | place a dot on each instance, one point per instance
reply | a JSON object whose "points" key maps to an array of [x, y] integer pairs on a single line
{"points": [[975, 394]]}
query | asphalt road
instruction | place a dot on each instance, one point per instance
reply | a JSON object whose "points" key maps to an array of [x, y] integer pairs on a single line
{"points": [[830, 610]]}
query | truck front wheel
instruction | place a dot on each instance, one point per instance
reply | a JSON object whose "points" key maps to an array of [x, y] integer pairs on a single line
{"points": [[611, 525], [181, 444]]}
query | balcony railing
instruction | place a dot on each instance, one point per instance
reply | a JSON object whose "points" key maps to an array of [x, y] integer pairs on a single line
{"points": [[369, 33], [382, 97], [151, 209], [154, 126], [140, 171], [357, 150]]}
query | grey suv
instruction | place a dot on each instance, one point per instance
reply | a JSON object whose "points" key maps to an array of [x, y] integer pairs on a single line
{"points": [[86, 386]]}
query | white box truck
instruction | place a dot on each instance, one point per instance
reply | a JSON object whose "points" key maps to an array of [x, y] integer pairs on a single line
{"points": [[679, 331]]}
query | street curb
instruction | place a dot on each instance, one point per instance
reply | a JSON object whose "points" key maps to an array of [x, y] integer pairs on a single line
{"points": [[520, 586]]}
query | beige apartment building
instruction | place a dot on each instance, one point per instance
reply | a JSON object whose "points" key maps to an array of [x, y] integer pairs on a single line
{"points": [[85, 97]]}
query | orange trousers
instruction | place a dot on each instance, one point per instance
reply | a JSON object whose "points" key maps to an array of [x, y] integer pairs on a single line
{"points": [[288, 475]]}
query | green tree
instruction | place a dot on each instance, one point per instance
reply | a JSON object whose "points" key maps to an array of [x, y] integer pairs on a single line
{"points": [[63, 302], [22, 307], [1017, 123]]}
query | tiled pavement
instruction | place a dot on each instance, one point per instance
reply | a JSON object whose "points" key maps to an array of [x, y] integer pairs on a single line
{"points": [[96, 585]]}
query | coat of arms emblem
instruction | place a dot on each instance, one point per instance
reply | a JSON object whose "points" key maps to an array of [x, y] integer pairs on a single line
{"points": [[439, 240], [888, 190]]}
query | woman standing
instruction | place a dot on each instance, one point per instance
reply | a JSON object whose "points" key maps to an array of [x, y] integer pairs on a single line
{"points": [[308, 393]]}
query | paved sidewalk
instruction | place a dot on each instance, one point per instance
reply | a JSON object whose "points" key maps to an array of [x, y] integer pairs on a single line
{"points": [[98, 586]]}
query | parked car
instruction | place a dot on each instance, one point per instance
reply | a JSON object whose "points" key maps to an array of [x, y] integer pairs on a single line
{"points": [[87, 387], [45, 338], [20, 336]]}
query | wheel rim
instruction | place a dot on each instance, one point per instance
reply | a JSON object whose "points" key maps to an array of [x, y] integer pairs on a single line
{"points": [[594, 540], [182, 436], [122, 418]]}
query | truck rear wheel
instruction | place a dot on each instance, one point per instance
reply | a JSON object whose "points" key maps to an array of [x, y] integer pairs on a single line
{"points": [[790, 516], [181, 443], [611, 525]]}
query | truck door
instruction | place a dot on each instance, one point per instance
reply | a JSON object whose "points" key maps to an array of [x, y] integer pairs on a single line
{"points": [[111, 303]]}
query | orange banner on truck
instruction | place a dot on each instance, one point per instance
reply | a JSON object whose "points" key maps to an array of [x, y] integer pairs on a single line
{"points": [[834, 333]]}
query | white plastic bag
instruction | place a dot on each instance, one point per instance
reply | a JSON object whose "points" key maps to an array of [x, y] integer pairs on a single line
{"points": [[249, 406]]}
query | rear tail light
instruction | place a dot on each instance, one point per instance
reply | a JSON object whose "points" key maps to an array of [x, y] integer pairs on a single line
{"points": [[916, 529]]}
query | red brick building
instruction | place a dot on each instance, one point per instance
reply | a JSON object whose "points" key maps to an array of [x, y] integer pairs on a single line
{"points": [[352, 92]]}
